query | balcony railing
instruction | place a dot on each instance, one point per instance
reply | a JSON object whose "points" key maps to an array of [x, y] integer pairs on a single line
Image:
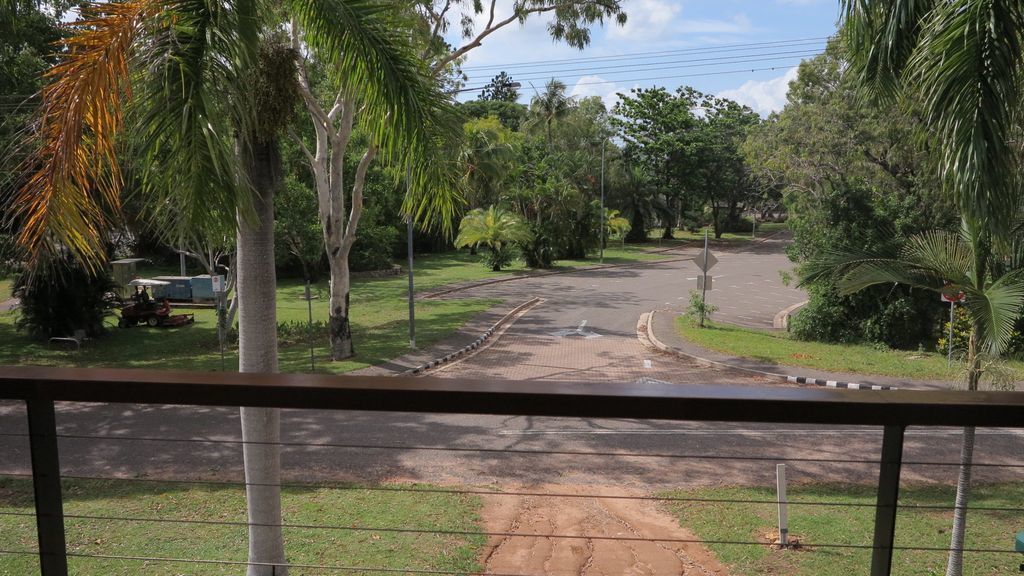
{"points": [[893, 411]]}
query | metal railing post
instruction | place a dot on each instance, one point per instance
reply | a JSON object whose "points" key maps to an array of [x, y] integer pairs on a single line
{"points": [[888, 495], [42, 430]]}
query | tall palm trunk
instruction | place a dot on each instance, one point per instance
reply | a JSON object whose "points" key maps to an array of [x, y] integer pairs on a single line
{"points": [[955, 564], [257, 352]]}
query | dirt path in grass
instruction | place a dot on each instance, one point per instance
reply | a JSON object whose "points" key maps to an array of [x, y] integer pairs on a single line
{"points": [[588, 535]]}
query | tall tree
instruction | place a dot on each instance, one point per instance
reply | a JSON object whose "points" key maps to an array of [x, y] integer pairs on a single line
{"points": [[501, 88], [962, 61], [653, 122], [551, 105], [334, 118], [211, 92]]}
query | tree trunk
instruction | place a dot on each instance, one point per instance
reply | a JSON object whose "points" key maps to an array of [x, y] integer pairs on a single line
{"points": [[340, 330], [955, 565], [257, 352], [716, 225]]}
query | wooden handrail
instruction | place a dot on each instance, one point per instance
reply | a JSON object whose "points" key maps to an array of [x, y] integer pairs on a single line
{"points": [[780, 404]]}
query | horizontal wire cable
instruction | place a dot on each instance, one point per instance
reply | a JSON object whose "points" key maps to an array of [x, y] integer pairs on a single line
{"points": [[652, 78], [525, 494], [338, 528], [671, 64], [285, 565], [633, 70], [646, 55], [514, 451]]}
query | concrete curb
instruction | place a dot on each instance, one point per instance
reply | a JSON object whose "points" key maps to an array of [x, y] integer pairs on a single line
{"points": [[447, 291], [781, 320], [478, 344], [648, 321]]}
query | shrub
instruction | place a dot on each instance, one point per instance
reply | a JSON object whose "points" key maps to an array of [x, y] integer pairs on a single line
{"points": [[297, 332], [374, 247], [699, 308], [60, 298]]}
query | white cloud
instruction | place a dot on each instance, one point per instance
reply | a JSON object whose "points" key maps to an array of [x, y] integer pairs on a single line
{"points": [[648, 19], [597, 86], [763, 96], [738, 24]]}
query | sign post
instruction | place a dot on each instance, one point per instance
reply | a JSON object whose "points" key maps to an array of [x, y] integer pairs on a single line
{"points": [[705, 261], [222, 316], [309, 306], [952, 299]]}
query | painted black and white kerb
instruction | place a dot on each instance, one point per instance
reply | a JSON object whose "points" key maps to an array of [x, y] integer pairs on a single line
{"points": [[837, 384]]}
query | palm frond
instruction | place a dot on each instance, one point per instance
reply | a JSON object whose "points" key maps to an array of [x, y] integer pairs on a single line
{"points": [[191, 102], [74, 181], [944, 254], [967, 70], [881, 37], [367, 47], [996, 310]]}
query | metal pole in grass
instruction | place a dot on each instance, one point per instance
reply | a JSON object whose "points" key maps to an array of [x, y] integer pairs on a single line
{"points": [[309, 306], [603, 143], [412, 301], [949, 342], [780, 482], [704, 284], [222, 320]]}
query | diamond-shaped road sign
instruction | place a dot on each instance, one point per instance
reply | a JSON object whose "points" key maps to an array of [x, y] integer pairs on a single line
{"points": [[711, 260]]}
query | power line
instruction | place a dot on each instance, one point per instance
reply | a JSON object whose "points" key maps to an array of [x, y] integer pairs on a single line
{"points": [[675, 64], [652, 78], [648, 55]]}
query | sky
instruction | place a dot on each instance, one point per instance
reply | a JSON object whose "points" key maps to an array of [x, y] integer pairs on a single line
{"points": [[745, 50]]}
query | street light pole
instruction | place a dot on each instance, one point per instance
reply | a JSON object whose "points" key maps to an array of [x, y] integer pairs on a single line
{"points": [[603, 142]]}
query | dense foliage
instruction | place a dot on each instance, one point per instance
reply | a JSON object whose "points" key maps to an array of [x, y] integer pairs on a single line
{"points": [[62, 299], [855, 178]]}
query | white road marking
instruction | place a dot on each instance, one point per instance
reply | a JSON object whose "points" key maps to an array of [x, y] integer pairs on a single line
{"points": [[579, 331]]}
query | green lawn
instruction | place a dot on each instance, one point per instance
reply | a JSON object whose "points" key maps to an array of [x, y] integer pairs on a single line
{"points": [[763, 229], [340, 507], [379, 322], [780, 348], [816, 526]]}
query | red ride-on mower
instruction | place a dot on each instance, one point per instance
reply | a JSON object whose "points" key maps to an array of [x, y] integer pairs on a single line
{"points": [[144, 310]]}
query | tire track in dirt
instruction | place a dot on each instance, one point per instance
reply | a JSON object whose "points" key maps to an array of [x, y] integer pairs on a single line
{"points": [[530, 526]]}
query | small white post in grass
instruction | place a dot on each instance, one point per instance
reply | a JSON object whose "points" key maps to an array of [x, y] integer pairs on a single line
{"points": [[780, 474]]}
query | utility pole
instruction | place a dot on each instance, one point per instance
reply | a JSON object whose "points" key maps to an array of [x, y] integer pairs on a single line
{"points": [[603, 143], [412, 301]]}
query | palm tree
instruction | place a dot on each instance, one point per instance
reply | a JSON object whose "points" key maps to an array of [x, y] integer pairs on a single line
{"points": [[616, 225], [961, 61], [948, 263], [550, 105], [495, 228], [203, 91]]}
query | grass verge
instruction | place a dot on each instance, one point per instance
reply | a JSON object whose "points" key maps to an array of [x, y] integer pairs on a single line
{"points": [[780, 348], [358, 511], [817, 526], [379, 322], [763, 229]]}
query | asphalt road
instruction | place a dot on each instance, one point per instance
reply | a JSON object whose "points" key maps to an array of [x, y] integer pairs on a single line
{"points": [[548, 343]]}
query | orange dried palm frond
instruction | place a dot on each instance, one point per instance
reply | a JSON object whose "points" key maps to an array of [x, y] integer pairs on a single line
{"points": [[74, 179]]}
